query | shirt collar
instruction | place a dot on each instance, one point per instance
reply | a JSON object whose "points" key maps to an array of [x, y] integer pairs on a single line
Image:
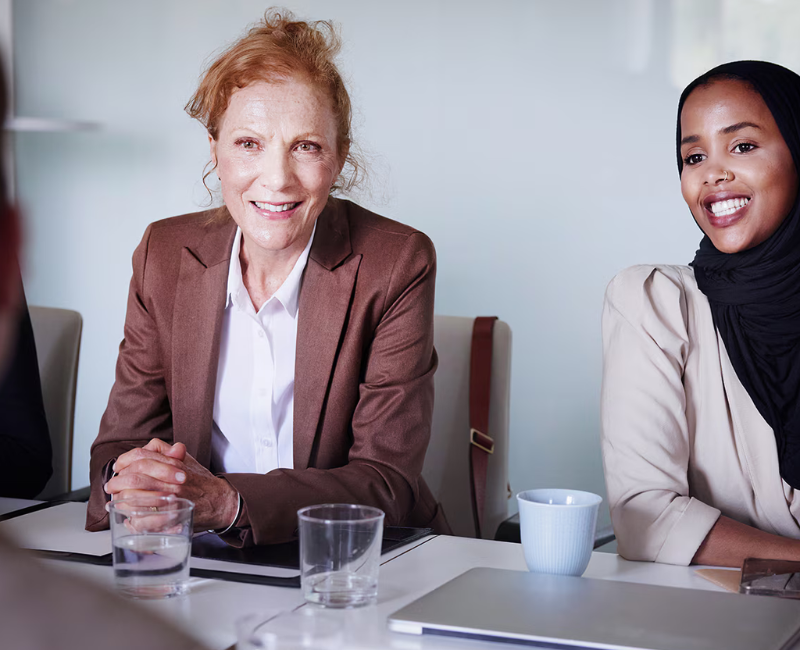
{"points": [[288, 293]]}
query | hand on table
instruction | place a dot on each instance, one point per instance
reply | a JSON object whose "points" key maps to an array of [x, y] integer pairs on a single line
{"points": [[163, 469]]}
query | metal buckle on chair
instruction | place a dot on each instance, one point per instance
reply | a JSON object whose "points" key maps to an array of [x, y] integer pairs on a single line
{"points": [[481, 441]]}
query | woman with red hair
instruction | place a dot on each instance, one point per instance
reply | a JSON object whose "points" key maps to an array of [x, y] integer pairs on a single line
{"points": [[278, 350]]}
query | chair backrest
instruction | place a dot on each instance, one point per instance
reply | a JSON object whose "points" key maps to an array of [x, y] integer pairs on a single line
{"points": [[447, 462], [58, 340]]}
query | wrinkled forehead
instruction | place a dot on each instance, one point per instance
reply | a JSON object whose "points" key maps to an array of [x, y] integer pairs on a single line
{"points": [[289, 92], [290, 101]]}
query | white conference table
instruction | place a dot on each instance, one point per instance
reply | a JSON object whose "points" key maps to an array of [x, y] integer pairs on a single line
{"points": [[211, 608]]}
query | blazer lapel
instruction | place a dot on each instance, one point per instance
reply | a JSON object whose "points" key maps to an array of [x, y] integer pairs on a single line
{"points": [[325, 296], [196, 327]]}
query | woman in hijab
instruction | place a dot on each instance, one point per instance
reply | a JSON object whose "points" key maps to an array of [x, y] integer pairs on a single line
{"points": [[701, 430]]}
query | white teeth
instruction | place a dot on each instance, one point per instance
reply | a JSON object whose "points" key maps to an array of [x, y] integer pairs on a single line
{"points": [[724, 208], [275, 208]]}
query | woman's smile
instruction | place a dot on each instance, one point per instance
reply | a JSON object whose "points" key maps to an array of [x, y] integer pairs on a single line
{"points": [[276, 210], [723, 209]]}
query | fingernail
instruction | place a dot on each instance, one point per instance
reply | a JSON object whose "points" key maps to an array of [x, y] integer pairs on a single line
{"points": [[180, 477], [114, 467], [105, 488]]}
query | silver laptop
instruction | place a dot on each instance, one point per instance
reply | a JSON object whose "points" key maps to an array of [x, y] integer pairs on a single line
{"points": [[566, 612]]}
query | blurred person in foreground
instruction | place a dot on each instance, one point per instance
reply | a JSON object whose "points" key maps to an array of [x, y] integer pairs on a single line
{"points": [[41, 607], [701, 383], [26, 455], [278, 350]]}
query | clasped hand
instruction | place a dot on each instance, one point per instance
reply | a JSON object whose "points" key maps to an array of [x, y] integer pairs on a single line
{"points": [[163, 469]]}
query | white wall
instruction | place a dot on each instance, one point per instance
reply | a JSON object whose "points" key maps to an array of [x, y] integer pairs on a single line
{"points": [[531, 139]]}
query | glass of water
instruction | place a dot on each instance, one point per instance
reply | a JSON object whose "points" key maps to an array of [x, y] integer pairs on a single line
{"points": [[152, 542], [340, 551]]}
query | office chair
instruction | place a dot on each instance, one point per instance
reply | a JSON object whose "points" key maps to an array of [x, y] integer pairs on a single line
{"points": [[446, 467], [58, 338]]}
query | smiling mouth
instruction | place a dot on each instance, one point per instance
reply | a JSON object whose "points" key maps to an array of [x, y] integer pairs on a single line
{"points": [[725, 208], [281, 207]]}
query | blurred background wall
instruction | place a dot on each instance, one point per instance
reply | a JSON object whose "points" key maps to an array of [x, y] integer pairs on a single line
{"points": [[533, 140]]}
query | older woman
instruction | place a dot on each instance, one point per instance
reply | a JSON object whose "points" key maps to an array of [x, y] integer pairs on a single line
{"points": [[278, 351], [701, 427]]}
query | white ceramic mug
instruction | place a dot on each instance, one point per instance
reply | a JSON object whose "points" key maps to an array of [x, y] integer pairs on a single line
{"points": [[557, 529]]}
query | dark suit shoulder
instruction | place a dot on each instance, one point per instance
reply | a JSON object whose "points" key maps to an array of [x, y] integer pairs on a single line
{"points": [[25, 449]]}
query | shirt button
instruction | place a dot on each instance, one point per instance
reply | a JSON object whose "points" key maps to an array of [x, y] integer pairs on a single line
{"points": [[261, 334], [266, 442], [262, 392]]}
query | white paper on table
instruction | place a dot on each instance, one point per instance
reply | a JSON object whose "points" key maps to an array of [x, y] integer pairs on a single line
{"points": [[7, 504], [61, 528], [58, 528]]}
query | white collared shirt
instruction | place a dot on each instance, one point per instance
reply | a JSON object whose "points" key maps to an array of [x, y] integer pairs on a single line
{"points": [[254, 396]]}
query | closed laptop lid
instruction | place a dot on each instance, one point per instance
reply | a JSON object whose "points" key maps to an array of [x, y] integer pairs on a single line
{"points": [[568, 612]]}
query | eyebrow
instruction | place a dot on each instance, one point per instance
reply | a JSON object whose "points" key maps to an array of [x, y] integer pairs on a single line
{"points": [[733, 128]]}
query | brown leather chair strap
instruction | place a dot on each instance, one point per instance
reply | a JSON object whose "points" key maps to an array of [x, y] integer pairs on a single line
{"points": [[481, 444]]}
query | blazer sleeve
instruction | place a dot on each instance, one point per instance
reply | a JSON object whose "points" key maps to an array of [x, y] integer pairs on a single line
{"points": [[138, 406], [391, 423], [646, 440]]}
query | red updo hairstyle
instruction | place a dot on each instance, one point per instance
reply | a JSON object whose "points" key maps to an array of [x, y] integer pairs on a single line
{"points": [[276, 48]]}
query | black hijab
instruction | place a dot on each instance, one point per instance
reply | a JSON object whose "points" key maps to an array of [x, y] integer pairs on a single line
{"points": [[755, 294]]}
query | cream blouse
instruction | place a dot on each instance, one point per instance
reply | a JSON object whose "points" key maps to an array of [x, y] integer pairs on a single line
{"points": [[682, 441]]}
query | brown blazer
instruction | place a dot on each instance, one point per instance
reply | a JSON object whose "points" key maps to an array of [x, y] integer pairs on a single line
{"points": [[363, 395]]}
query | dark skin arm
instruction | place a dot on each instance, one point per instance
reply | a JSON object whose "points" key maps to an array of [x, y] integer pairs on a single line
{"points": [[730, 542]]}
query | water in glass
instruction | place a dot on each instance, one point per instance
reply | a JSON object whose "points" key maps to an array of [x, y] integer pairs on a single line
{"points": [[151, 565], [340, 589]]}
